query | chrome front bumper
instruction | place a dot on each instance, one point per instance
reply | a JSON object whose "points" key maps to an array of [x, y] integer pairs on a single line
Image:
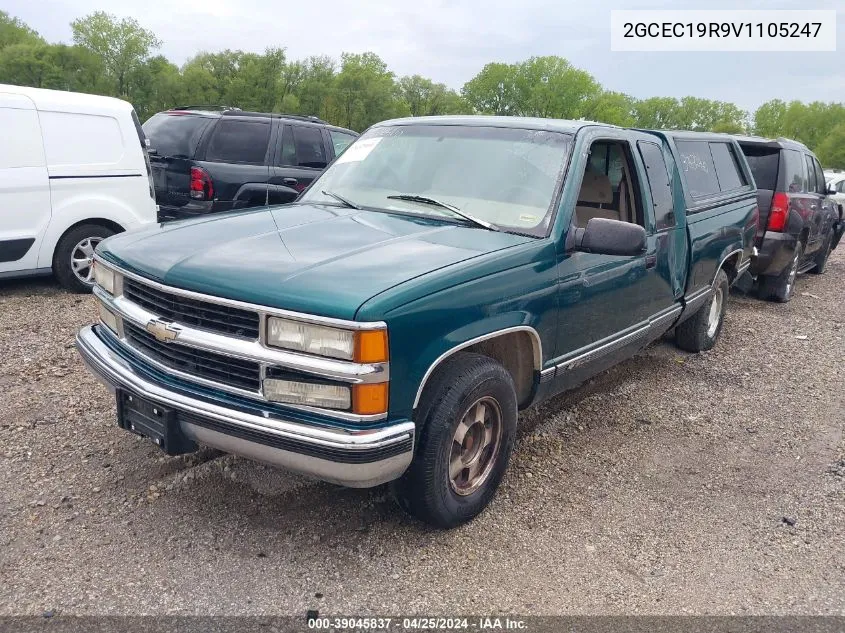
{"points": [[359, 459]]}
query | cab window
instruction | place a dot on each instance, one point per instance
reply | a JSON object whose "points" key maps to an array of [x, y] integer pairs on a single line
{"points": [[696, 162], [608, 187], [660, 184]]}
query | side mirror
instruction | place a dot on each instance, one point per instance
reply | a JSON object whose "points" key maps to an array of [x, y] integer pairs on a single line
{"points": [[830, 189], [611, 237]]}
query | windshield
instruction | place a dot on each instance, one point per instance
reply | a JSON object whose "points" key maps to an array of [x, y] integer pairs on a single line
{"points": [[502, 176]]}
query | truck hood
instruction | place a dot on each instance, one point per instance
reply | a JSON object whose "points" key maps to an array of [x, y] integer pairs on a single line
{"points": [[317, 259]]}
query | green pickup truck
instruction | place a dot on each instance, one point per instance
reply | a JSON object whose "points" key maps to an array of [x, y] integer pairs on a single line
{"points": [[441, 275]]}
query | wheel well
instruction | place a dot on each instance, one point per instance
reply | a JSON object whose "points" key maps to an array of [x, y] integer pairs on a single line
{"points": [[114, 226], [730, 266], [109, 224], [515, 352]]}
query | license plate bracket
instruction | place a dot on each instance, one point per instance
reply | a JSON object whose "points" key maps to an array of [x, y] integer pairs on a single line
{"points": [[154, 421]]}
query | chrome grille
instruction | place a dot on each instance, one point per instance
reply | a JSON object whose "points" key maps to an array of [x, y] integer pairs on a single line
{"points": [[232, 372], [202, 314]]}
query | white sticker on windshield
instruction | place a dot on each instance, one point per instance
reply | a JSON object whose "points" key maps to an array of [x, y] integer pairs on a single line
{"points": [[358, 151]]}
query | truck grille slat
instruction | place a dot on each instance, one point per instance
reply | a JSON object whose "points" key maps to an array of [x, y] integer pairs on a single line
{"points": [[203, 314], [233, 372]]}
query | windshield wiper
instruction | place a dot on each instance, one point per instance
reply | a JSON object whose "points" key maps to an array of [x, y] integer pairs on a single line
{"points": [[437, 203], [341, 199]]}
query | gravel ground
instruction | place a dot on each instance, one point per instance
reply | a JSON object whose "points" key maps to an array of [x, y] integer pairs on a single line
{"points": [[672, 484]]}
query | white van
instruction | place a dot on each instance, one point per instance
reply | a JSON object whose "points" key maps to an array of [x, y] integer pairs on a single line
{"points": [[74, 169]]}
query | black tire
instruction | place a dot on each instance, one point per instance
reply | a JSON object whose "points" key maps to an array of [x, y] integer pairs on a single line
{"points": [[427, 490], [822, 256], [782, 287], [62, 267], [700, 332]]}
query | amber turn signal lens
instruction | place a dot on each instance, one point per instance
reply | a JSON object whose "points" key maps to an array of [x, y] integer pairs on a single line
{"points": [[369, 399], [371, 346]]}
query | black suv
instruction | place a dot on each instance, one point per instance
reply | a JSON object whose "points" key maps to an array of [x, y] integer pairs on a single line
{"points": [[207, 158], [799, 225]]}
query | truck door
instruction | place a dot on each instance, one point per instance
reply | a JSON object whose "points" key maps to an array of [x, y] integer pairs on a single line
{"points": [[24, 185], [608, 303]]}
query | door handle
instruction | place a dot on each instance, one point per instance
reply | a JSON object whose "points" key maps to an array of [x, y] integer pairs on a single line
{"points": [[650, 261], [291, 182]]}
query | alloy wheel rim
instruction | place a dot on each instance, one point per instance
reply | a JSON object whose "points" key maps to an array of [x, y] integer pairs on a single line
{"points": [[475, 446], [82, 259], [715, 315]]}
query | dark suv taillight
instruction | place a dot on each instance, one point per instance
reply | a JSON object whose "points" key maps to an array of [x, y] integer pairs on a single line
{"points": [[779, 211], [202, 188]]}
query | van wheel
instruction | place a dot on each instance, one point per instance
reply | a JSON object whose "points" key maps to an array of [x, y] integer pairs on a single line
{"points": [[74, 257], [467, 417], [782, 287], [700, 332], [822, 257]]}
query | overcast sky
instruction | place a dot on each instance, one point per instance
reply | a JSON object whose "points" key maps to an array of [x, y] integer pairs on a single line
{"points": [[450, 40]]}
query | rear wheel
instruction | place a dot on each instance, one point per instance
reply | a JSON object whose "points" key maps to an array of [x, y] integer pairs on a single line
{"points": [[782, 287], [823, 256], [467, 418], [74, 257], [701, 331]]}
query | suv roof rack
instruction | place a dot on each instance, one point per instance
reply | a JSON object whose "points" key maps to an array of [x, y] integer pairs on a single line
{"points": [[207, 107], [273, 115]]}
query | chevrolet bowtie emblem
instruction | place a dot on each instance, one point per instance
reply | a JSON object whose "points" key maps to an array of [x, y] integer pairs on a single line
{"points": [[164, 331]]}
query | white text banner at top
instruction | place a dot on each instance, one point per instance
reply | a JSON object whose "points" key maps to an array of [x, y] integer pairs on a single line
{"points": [[716, 30]]}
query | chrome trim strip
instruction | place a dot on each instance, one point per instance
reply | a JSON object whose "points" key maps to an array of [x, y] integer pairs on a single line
{"points": [[742, 268], [535, 341], [261, 310], [113, 370], [698, 294], [547, 375], [593, 351], [658, 320], [249, 349], [578, 358]]}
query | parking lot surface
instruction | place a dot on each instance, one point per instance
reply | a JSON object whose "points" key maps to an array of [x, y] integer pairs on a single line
{"points": [[672, 484]]}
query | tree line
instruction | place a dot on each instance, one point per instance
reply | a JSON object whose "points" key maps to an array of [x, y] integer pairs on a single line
{"points": [[116, 57]]}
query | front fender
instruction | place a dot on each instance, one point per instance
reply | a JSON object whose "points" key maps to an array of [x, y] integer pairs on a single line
{"points": [[430, 318]]}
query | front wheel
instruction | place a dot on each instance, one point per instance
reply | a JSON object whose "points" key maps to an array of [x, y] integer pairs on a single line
{"points": [[700, 332], [467, 417]]}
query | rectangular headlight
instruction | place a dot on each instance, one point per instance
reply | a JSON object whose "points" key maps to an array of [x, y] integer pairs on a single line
{"points": [[316, 395], [107, 317], [104, 277], [310, 339], [362, 346]]}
